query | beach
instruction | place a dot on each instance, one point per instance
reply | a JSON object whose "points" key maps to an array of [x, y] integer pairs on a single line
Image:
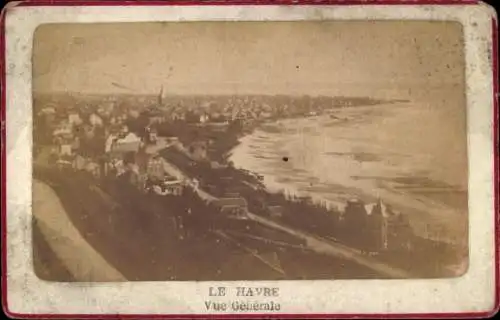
{"points": [[410, 155]]}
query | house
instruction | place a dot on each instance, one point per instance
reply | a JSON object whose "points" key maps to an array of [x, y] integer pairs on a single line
{"points": [[194, 183], [173, 186], [120, 149], [65, 149], [115, 167], [124, 130], [130, 143], [172, 140], [133, 114], [166, 186], [234, 207], [63, 163], [178, 115], [95, 120], [217, 165], [64, 129], [266, 115], [47, 110], [204, 118], [75, 144], [154, 168], [219, 126], [88, 131], [198, 150], [110, 140], [151, 135], [74, 119], [153, 114], [93, 168]]}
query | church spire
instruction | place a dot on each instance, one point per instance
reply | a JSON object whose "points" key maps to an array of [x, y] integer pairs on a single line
{"points": [[160, 96]]}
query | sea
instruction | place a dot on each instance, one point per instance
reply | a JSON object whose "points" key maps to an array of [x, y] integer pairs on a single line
{"points": [[412, 155]]}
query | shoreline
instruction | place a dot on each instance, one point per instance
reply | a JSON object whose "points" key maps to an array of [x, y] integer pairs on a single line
{"points": [[274, 186]]}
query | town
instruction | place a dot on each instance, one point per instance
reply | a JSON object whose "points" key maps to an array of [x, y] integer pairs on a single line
{"points": [[169, 155]]}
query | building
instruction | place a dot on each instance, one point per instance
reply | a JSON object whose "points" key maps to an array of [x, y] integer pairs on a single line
{"points": [[115, 167], [63, 163], [178, 115], [154, 168], [234, 207], [151, 135], [65, 149], [88, 131], [95, 120], [47, 110], [130, 143], [93, 168], [63, 129], [217, 165], [266, 115], [79, 162], [124, 130], [198, 150], [172, 140], [74, 119], [133, 114], [118, 149], [166, 186], [172, 186], [204, 118], [153, 114]]}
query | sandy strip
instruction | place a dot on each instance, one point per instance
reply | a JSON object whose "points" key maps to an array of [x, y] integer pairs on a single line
{"points": [[80, 259]]}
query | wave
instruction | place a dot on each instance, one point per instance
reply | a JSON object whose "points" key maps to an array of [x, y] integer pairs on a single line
{"points": [[394, 153]]}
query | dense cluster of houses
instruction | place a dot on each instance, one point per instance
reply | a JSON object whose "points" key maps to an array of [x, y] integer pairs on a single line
{"points": [[220, 113], [101, 143]]}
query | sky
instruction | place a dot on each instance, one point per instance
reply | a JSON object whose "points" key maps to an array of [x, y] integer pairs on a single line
{"points": [[323, 57]]}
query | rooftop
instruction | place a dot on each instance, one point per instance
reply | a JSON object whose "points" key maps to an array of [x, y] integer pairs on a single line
{"points": [[223, 202]]}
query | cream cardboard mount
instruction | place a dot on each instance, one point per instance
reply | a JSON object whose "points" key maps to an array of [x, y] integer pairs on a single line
{"points": [[249, 160]]}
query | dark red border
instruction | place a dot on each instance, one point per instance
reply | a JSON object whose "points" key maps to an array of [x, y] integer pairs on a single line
{"points": [[253, 2], [239, 2]]}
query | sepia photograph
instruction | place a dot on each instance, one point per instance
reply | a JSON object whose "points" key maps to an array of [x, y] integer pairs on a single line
{"points": [[232, 150], [208, 159]]}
